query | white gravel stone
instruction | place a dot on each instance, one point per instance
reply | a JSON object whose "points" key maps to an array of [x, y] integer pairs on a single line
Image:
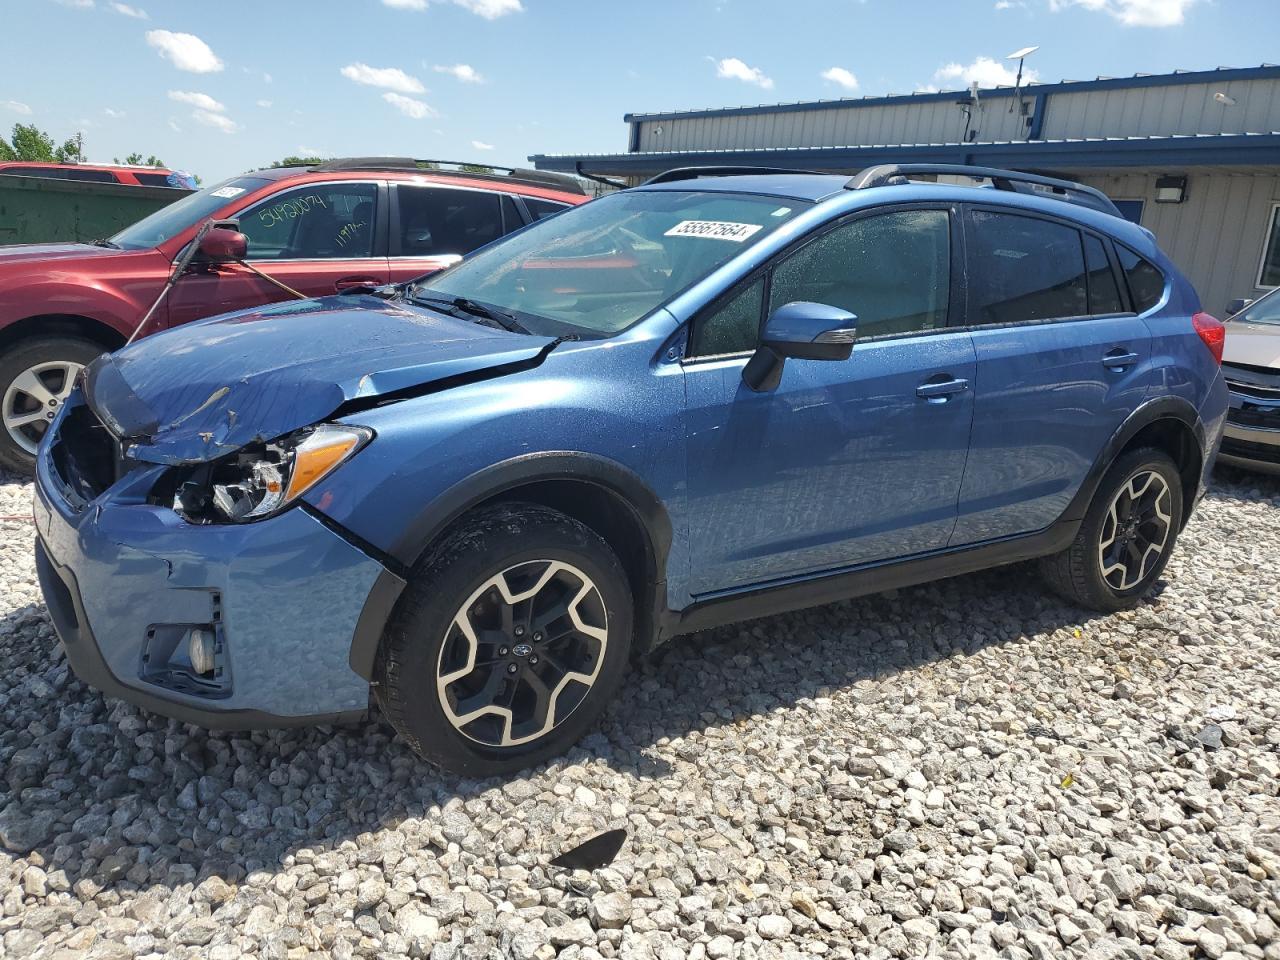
{"points": [[969, 769]]}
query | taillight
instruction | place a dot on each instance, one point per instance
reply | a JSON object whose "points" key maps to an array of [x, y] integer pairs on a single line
{"points": [[1212, 331]]}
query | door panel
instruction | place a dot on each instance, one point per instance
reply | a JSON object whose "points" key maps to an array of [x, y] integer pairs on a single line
{"points": [[318, 238], [842, 464], [1050, 392]]}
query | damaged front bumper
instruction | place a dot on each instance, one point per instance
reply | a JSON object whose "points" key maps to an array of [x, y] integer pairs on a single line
{"points": [[275, 603]]}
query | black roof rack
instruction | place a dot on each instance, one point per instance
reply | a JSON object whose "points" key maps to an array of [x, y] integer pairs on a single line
{"points": [[693, 173], [533, 178], [896, 174]]}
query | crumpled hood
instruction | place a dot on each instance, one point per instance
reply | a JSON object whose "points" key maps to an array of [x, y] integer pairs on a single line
{"points": [[1254, 344], [22, 253], [206, 389]]}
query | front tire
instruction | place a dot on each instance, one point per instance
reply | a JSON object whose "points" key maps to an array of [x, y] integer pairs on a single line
{"points": [[35, 378], [1126, 537], [508, 642]]}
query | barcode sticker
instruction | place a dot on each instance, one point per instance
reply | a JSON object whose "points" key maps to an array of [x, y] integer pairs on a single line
{"points": [[714, 230]]}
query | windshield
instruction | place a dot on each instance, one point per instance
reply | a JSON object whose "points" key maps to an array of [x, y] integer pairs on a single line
{"points": [[1264, 310], [171, 220], [600, 267]]}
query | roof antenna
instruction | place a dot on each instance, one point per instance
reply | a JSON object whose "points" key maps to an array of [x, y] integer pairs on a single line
{"points": [[1021, 57]]}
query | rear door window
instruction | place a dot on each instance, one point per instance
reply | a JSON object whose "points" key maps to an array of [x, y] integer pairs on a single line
{"points": [[539, 208], [1024, 268], [327, 221], [439, 221], [1104, 294]]}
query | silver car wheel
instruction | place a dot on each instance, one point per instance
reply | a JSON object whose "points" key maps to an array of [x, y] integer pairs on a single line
{"points": [[33, 399], [522, 652], [1135, 530]]}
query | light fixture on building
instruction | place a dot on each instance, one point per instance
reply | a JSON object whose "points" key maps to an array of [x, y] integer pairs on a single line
{"points": [[1171, 189], [1225, 99]]}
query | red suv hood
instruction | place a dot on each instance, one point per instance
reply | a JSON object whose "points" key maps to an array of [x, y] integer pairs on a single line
{"points": [[33, 252]]}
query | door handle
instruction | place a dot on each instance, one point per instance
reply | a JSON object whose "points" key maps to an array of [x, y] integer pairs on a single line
{"points": [[347, 282], [1119, 358], [936, 390]]}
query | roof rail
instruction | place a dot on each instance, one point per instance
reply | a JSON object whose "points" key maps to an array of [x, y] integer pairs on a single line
{"points": [[896, 174], [535, 178], [693, 173]]}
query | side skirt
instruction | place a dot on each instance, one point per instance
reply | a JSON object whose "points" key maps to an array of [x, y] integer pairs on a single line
{"points": [[799, 593]]}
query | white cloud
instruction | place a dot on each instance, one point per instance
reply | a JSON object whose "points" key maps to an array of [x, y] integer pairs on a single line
{"points": [[489, 9], [201, 101], [985, 72], [15, 107], [127, 11], [410, 107], [389, 78], [219, 121], [112, 113], [186, 51], [1010, 4], [481, 145], [841, 77], [174, 126], [1134, 13], [265, 104], [731, 68], [78, 4], [460, 71]]}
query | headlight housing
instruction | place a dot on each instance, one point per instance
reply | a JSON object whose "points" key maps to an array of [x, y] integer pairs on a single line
{"points": [[260, 481]]}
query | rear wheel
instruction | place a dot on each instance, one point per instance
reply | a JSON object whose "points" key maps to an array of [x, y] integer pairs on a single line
{"points": [[1126, 537], [35, 378], [508, 643]]}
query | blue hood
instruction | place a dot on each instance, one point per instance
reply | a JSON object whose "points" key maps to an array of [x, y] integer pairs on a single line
{"points": [[207, 389]]}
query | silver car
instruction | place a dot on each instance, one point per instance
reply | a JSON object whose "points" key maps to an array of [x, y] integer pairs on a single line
{"points": [[1251, 364]]}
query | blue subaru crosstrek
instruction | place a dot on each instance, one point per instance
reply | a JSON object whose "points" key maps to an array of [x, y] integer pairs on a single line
{"points": [[723, 394]]}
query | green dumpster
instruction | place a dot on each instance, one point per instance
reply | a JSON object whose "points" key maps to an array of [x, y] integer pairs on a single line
{"points": [[40, 210]]}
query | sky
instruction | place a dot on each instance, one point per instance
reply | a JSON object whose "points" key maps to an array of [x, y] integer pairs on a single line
{"points": [[220, 88]]}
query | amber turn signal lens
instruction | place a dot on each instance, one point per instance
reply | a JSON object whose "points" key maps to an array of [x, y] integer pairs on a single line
{"points": [[318, 455]]}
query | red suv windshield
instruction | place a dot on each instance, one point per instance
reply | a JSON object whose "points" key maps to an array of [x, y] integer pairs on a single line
{"points": [[168, 221]]}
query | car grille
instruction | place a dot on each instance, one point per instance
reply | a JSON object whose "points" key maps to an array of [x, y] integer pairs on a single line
{"points": [[1261, 383], [1255, 415], [1262, 452], [85, 456]]}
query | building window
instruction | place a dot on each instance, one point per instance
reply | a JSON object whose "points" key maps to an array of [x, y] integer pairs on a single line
{"points": [[1131, 210], [1269, 274]]}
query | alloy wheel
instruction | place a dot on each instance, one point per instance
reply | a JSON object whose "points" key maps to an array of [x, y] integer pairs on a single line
{"points": [[1135, 530], [34, 398], [522, 653]]}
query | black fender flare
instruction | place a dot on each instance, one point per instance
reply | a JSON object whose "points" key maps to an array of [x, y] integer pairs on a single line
{"points": [[491, 482], [1152, 411]]}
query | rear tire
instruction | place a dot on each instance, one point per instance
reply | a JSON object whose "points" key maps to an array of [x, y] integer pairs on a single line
{"points": [[1127, 535], [508, 642], [35, 377]]}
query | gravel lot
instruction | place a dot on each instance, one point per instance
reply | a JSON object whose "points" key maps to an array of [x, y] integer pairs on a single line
{"points": [[967, 769]]}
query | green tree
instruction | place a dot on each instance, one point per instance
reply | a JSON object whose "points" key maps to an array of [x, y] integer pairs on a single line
{"points": [[297, 161], [135, 159], [70, 152], [29, 143], [475, 168]]}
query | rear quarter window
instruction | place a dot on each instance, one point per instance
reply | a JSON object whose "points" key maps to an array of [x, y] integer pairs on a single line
{"points": [[1146, 282]]}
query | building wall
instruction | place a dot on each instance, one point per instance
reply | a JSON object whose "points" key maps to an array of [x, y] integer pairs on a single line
{"points": [[1164, 111], [1216, 236], [1092, 111]]}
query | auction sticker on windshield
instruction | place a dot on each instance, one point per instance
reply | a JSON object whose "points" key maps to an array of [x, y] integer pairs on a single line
{"points": [[714, 230]]}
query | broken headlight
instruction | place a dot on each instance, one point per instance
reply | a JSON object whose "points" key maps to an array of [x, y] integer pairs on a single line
{"points": [[259, 481]]}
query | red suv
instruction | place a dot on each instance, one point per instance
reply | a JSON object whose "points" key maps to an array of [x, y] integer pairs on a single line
{"points": [[128, 174], [318, 229]]}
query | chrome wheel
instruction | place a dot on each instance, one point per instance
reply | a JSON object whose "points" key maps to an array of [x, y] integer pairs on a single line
{"points": [[34, 398], [1135, 530], [522, 653]]}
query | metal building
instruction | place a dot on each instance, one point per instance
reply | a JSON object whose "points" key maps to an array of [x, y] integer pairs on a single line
{"points": [[1193, 156]]}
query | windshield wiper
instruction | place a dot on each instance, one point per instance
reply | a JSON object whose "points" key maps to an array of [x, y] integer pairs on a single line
{"points": [[105, 243], [503, 319]]}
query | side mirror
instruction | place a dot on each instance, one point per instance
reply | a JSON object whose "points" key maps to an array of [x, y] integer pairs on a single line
{"points": [[1238, 305], [221, 245], [802, 331]]}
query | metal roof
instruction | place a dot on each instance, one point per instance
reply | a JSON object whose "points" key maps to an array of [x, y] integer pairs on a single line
{"points": [[1266, 71], [1172, 151]]}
